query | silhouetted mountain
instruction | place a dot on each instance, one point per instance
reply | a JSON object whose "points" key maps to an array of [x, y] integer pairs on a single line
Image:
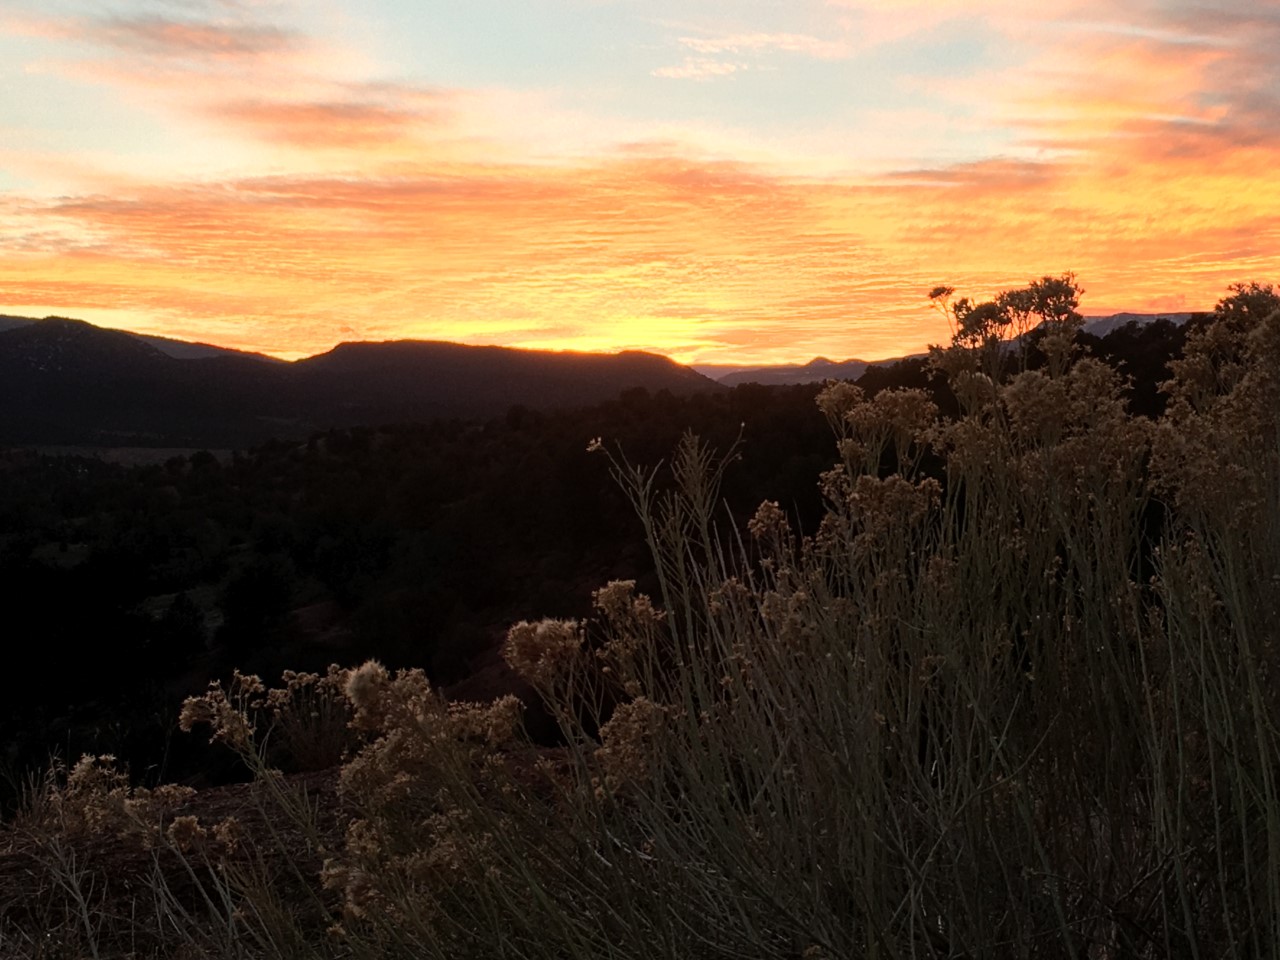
{"points": [[178, 349], [820, 368], [191, 350], [58, 345], [69, 382], [399, 379], [1102, 326], [815, 371]]}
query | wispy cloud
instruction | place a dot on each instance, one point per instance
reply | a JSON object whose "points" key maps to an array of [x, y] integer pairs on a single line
{"points": [[709, 51], [256, 81], [797, 43], [699, 68], [167, 37], [332, 124], [1167, 84], [698, 258], [194, 40]]}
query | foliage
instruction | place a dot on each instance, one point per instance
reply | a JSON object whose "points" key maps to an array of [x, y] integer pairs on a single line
{"points": [[1047, 305]]}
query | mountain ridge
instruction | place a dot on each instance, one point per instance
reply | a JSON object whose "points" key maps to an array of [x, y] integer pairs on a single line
{"points": [[822, 368], [171, 346], [69, 382], [65, 381]]}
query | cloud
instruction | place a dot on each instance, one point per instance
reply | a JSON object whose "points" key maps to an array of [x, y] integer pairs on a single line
{"points": [[1008, 175], [264, 84], [1150, 83], [709, 65], [163, 38], [189, 39], [170, 68], [699, 68], [642, 241], [707, 259], [327, 124], [757, 42], [1158, 94]]}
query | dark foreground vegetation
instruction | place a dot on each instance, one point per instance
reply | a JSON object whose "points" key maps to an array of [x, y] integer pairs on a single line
{"points": [[1000, 682], [417, 544]]}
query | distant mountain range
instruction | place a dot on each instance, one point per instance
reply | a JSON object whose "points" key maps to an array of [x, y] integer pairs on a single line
{"points": [[815, 371], [820, 368], [68, 382]]}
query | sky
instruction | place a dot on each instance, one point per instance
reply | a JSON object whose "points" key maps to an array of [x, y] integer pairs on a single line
{"points": [[722, 181]]}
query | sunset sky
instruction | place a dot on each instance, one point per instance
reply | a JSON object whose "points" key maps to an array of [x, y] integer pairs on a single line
{"points": [[725, 181]]}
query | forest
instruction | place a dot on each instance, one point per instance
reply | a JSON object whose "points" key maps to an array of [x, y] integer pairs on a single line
{"points": [[973, 656]]}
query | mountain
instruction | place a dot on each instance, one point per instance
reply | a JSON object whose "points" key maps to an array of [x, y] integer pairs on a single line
{"points": [[815, 371], [10, 323], [193, 350], [58, 346], [820, 368], [1101, 326], [179, 349], [403, 376], [69, 382]]}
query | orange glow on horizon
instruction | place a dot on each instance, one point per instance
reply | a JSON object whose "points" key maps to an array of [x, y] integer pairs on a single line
{"points": [[323, 204], [703, 262]]}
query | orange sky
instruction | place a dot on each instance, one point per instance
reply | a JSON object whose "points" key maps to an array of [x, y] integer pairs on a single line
{"points": [[266, 177]]}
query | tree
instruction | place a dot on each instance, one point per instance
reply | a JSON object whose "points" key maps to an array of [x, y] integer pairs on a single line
{"points": [[1248, 303], [1010, 317], [1220, 352]]}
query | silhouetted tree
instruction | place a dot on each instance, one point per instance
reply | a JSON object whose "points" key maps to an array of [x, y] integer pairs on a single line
{"points": [[1049, 304]]}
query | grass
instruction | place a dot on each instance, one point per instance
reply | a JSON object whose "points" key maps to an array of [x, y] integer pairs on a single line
{"points": [[1015, 697]]}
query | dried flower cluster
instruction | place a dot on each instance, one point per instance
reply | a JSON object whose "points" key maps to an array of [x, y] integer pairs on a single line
{"points": [[1209, 455], [631, 743], [226, 714], [411, 783], [896, 421], [305, 722], [635, 634], [546, 652], [96, 799]]}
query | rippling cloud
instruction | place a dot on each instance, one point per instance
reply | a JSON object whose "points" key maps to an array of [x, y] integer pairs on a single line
{"points": [[1138, 150]]}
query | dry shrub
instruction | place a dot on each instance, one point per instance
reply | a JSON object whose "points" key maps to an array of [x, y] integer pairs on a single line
{"points": [[302, 725], [423, 829]]}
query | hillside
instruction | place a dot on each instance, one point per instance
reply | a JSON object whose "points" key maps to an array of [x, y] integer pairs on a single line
{"points": [[815, 371], [68, 382], [178, 349], [412, 379]]}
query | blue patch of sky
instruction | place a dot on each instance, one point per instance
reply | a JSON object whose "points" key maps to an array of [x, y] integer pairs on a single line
{"points": [[480, 43], [601, 56], [53, 111]]}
